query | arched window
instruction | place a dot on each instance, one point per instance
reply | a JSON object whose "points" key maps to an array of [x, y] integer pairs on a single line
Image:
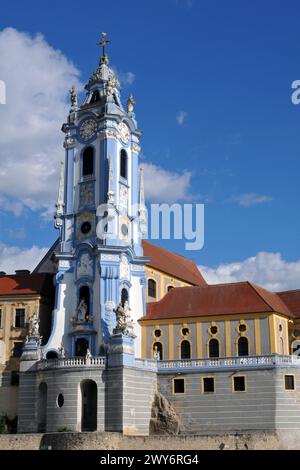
{"points": [[84, 294], [185, 349], [296, 348], [243, 346], [51, 355], [157, 351], [281, 346], [124, 296], [88, 405], [213, 348], [88, 162], [151, 288], [123, 164]]}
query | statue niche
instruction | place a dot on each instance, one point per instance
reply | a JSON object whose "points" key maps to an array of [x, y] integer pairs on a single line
{"points": [[83, 309]]}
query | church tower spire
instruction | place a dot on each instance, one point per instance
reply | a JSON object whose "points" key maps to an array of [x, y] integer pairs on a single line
{"points": [[100, 259]]}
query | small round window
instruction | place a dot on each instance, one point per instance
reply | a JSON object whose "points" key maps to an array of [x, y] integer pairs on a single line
{"points": [[185, 331], [214, 330], [86, 227], [296, 333], [60, 400], [242, 328], [157, 333]]}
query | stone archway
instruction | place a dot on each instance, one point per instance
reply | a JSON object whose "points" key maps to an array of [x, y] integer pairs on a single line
{"points": [[88, 405], [42, 407]]}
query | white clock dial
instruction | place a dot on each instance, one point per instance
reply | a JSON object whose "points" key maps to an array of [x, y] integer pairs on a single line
{"points": [[87, 129], [124, 132]]}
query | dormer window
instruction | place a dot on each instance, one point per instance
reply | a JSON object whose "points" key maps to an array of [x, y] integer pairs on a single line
{"points": [[123, 164], [88, 162]]}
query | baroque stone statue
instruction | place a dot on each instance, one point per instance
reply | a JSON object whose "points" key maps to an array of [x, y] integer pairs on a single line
{"points": [[88, 354], [156, 354], [81, 311], [34, 322], [130, 104], [73, 97], [124, 323]]}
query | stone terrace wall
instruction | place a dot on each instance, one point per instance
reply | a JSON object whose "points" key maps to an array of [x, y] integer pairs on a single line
{"points": [[287, 440]]}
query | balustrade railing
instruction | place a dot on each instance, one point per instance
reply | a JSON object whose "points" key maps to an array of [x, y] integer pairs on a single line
{"points": [[227, 362], [71, 362]]}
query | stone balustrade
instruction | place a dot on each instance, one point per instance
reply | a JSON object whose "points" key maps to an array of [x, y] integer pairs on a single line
{"points": [[230, 362], [71, 362]]}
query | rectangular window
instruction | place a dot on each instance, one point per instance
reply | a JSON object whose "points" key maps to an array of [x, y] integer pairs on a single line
{"points": [[239, 383], [0, 318], [289, 381], [208, 384], [178, 386], [20, 318], [17, 349]]}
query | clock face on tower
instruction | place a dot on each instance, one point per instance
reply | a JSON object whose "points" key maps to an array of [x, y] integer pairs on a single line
{"points": [[124, 132], [87, 129]]}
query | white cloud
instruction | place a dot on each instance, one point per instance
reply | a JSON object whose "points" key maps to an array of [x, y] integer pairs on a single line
{"points": [[125, 78], [166, 186], [37, 79], [251, 199], [181, 117], [13, 257], [9, 205], [269, 270]]}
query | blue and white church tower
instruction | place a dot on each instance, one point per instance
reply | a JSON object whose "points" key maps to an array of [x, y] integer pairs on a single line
{"points": [[101, 218]]}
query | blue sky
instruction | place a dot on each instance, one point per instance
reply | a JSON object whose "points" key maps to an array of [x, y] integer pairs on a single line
{"points": [[212, 82]]}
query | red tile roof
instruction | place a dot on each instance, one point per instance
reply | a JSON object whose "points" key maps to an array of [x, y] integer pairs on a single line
{"points": [[172, 264], [220, 299], [27, 284], [292, 300]]}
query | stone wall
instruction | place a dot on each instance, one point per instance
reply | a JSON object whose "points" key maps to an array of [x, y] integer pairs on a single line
{"points": [[265, 404], [129, 396], [59, 381], [283, 440], [8, 396]]}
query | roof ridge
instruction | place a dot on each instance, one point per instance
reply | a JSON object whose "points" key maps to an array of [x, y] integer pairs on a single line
{"points": [[287, 291], [256, 287]]}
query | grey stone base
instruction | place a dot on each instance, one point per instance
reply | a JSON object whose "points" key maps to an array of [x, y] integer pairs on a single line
{"points": [[281, 440]]}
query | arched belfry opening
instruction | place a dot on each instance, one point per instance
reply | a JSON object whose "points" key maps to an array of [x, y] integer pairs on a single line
{"points": [[123, 164], [88, 405], [88, 162]]}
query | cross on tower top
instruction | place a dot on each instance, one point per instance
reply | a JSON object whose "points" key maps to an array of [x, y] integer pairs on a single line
{"points": [[103, 42]]}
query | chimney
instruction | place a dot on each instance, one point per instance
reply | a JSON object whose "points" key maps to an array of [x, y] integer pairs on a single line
{"points": [[22, 272]]}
